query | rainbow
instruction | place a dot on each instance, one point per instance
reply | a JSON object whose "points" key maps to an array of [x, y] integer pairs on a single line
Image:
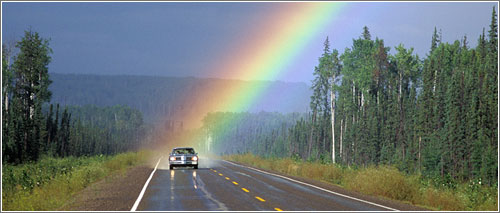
{"points": [[273, 45]]}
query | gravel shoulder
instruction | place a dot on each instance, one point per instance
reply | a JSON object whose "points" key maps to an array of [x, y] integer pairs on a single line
{"points": [[116, 192]]}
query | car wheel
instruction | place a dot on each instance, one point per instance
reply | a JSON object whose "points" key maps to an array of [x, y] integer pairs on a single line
{"points": [[171, 167], [196, 167]]}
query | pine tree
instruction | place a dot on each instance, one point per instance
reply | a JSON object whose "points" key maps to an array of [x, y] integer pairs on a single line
{"points": [[366, 33], [455, 130], [30, 70], [428, 145], [489, 103], [315, 107], [492, 76], [493, 33], [436, 39]]}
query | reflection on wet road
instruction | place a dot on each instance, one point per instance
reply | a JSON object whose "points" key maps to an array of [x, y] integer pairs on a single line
{"points": [[221, 186], [179, 189]]}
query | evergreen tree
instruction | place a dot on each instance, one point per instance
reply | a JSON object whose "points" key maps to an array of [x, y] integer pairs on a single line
{"points": [[435, 40], [493, 33], [366, 33], [30, 91], [315, 105]]}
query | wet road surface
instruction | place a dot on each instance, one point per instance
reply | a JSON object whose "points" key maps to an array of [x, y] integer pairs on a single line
{"points": [[224, 186]]}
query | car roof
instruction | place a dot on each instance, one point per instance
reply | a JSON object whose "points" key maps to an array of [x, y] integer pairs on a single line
{"points": [[183, 148]]}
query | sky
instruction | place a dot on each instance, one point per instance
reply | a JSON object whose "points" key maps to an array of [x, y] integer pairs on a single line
{"points": [[200, 39]]}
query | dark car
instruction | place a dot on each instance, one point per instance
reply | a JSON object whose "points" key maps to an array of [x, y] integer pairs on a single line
{"points": [[183, 156]]}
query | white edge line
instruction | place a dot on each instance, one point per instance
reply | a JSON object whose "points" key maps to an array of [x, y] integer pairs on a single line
{"points": [[313, 186], [136, 204]]}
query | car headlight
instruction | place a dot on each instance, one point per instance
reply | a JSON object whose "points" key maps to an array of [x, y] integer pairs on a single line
{"points": [[172, 158], [195, 158]]}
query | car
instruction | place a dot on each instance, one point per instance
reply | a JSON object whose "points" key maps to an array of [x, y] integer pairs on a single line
{"points": [[183, 156]]}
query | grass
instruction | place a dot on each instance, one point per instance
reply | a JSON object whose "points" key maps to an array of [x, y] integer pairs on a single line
{"points": [[387, 182], [50, 182]]}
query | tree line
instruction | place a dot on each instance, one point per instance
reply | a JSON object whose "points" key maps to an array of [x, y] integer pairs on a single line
{"points": [[158, 97], [32, 128], [436, 116]]}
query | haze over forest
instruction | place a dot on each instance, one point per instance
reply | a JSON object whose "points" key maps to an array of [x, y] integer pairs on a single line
{"points": [[156, 97]]}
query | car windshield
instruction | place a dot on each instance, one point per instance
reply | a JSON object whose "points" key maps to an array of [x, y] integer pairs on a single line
{"points": [[184, 151]]}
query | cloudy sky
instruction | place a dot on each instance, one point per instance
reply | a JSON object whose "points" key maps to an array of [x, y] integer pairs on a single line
{"points": [[183, 39]]}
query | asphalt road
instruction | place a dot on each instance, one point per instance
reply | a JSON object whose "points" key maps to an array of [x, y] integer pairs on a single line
{"points": [[225, 186]]}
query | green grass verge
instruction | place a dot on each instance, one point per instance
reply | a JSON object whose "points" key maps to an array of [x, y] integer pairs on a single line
{"points": [[387, 182], [50, 182]]}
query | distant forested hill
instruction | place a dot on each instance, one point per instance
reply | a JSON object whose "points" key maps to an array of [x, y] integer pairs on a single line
{"points": [[156, 96]]}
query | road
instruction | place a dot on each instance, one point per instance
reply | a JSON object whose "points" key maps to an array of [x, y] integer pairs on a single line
{"points": [[224, 186]]}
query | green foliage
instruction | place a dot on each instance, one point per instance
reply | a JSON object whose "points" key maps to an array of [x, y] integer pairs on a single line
{"points": [[50, 182], [25, 90], [366, 33], [103, 130], [30, 175], [493, 32], [436, 39]]}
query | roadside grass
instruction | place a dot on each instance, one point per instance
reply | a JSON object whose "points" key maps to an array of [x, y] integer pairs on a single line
{"points": [[50, 182], [387, 182]]}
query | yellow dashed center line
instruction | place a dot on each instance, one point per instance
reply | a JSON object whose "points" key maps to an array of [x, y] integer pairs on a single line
{"points": [[259, 198], [246, 190], [278, 209]]}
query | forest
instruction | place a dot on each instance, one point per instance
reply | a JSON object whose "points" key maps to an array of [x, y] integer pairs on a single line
{"points": [[32, 128], [435, 116], [157, 97]]}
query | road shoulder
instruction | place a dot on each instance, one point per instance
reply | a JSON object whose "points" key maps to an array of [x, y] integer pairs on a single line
{"points": [[117, 192]]}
